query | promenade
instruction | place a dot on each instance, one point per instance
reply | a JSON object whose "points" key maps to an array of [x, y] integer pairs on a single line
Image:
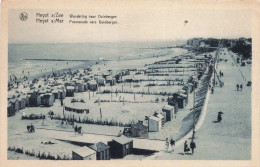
{"points": [[231, 138]]}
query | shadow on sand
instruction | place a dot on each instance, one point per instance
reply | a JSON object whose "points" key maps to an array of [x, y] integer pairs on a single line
{"points": [[185, 153]]}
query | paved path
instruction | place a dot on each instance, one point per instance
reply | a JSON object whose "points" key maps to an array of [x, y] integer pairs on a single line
{"points": [[230, 139]]}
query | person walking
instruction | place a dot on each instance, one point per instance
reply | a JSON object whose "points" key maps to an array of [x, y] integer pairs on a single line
{"points": [[212, 90], [192, 146], [172, 142], [237, 87], [167, 145], [241, 87], [186, 148]]}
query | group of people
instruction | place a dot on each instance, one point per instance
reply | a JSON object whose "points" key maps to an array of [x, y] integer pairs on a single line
{"points": [[78, 130], [30, 128], [239, 87], [169, 145], [187, 148]]}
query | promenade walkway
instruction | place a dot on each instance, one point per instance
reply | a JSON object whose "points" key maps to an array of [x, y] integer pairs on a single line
{"points": [[230, 139]]}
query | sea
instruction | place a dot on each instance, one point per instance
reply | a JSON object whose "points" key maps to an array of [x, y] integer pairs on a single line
{"points": [[36, 58]]}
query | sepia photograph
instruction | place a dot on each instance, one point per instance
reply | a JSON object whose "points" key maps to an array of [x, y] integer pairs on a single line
{"points": [[154, 84]]}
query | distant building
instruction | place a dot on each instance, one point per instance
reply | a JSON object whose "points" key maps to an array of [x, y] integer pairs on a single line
{"points": [[120, 147], [102, 151], [84, 153]]}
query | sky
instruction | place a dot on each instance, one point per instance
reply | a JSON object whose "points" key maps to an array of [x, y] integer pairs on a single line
{"points": [[149, 24]]}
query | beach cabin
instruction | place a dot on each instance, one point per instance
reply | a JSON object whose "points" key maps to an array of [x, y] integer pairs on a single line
{"points": [[56, 93], [101, 81], [62, 93], [185, 98], [10, 109], [191, 85], [120, 147], [85, 86], [139, 130], [92, 85], [160, 115], [168, 110], [181, 102], [127, 72], [84, 153], [186, 89], [47, 99], [70, 91], [79, 86], [110, 80], [102, 151], [34, 98], [154, 124], [21, 103], [15, 104], [173, 103]]}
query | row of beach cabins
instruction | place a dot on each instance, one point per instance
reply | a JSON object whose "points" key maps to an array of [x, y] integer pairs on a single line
{"points": [[155, 122], [59, 88]]}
